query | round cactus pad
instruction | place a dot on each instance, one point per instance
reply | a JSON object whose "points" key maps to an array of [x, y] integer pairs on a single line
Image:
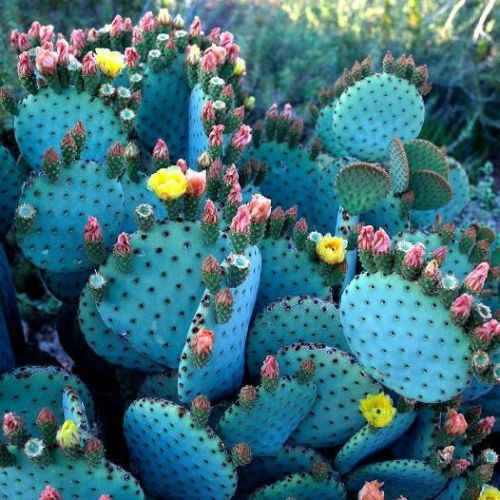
{"points": [[387, 215], [198, 140], [223, 373], [431, 190], [411, 478], [65, 286], [272, 418], [155, 316], [11, 181], [369, 114], [325, 132], [454, 490], [419, 441], [27, 390], [55, 240], [423, 155], [44, 118], [335, 416], [398, 166], [291, 320], [404, 338], [160, 385], [107, 344], [174, 458], [491, 404], [74, 409], [369, 440], [360, 186]]}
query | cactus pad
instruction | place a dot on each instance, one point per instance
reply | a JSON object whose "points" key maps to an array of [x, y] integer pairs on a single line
{"points": [[360, 186], [454, 490], [387, 214], [161, 386], [398, 166], [11, 181], [198, 140], [404, 338], [418, 442], [55, 240], [292, 320], [423, 155], [334, 417], [74, 409], [373, 111], [431, 190], [174, 458], [45, 117], [65, 286], [323, 130]]}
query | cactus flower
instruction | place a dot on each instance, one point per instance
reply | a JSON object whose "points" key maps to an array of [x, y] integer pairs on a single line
{"points": [[214, 35], [89, 64], [242, 137], [122, 245], [195, 28], [432, 271], [270, 368], [381, 243], [131, 57], [46, 61], [14, 39], [46, 33], [12, 424], [147, 22], [331, 249], [365, 238], [160, 151], [235, 196], [208, 111], [474, 281], [259, 208], [193, 54], [377, 409], [287, 112], [224, 298], [440, 254], [216, 136], [446, 454], [241, 454], [34, 448], [92, 231], [488, 331], [371, 490], [25, 66], [50, 493], [455, 424], [459, 466], [168, 183], [208, 62], [489, 493], [116, 27], [45, 416], [78, 40], [485, 425], [210, 215], [110, 62], [462, 305], [414, 257], [202, 343], [68, 435], [248, 394], [240, 67], [23, 42], [164, 16], [197, 182], [231, 176], [241, 221]]}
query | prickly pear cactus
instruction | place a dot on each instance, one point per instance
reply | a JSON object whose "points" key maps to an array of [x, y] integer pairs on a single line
{"points": [[11, 181], [65, 286]]}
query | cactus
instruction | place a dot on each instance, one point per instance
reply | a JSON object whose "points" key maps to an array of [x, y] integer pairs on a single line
{"points": [[65, 286]]}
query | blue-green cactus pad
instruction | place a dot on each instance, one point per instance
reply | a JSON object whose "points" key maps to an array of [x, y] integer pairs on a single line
{"points": [[160, 385], [369, 440], [73, 479], [175, 460], [301, 485], [386, 215], [324, 131], [423, 155], [491, 405], [55, 240], [74, 409], [198, 140], [291, 320], [272, 418], [66, 287], [373, 111], [29, 389], [404, 338], [163, 113], [398, 166], [11, 181], [44, 118], [288, 460], [341, 382], [413, 479], [287, 271], [454, 490], [153, 304], [7, 361], [223, 373], [105, 343]]}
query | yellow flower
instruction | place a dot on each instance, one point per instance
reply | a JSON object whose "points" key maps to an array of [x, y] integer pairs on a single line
{"points": [[110, 63], [377, 409], [331, 249], [489, 493], [68, 435], [164, 16], [168, 183], [240, 68]]}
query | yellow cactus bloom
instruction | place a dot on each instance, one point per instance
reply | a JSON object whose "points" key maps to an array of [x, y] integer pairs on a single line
{"points": [[164, 16], [377, 409], [240, 68], [489, 493], [110, 62], [168, 183], [331, 249], [68, 435], [250, 102]]}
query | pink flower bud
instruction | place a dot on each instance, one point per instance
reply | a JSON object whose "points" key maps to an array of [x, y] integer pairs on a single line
{"points": [[93, 445], [474, 281], [78, 40], [93, 35], [195, 28], [365, 238], [277, 213], [214, 35], [147, 22], [301, 225], [92, 231], [34, 31], [488, 331], [116, 27], [241, 221], [248, 394], [14, 38], [242, 137], [233, 52], [170, 43], [51, 157], [460, 465], [203, 342], [270, 368], [137, 37], [235, 196], [231, 175], [182, 164], [440, 254], [50, 493], [45, 416], [63, 51], [371, 490], [260, 208], [455, 424], [46, 61], [220, 54], [209, 62], [215, 170], [381, 243], [446, 454], [160, 151], [432, 271], [23, 42], [210, 215], [197, 182], [46, 33], [127, 25], [226, 39], [462, 305], [201, 403], [224, 298], [25, 66], [89, 64], [211, 265], [105, 497], [287, 111], [12, 424], [272, 112], [485, 425], [216, 136], [192, 54], [116, 149], [122, 245], [228, 91], [239, 112], [415, 256], [208, 112], [131, 57]]}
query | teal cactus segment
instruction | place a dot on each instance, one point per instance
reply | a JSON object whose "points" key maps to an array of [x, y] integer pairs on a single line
{"points": [[223, 373], [373, 111], [176, 460], [341, 382], [459, 183], [413, 479], [345, 224], [405, 338], [72, 479], [324, 130], [66, 287], [491, 404], [7, 361], [11, 181], [271, 419], [287, 271], [27, 390], [105, 343], [369, 440], [386, 215], [291, 320], [74, 410], [160, 386], [55, 240], [10, 322], [45, 117], [301, 485], [155, 316], [198, 140], [424, 155], [454, 490], [288, 460], [418, 443], [163, 113]]}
